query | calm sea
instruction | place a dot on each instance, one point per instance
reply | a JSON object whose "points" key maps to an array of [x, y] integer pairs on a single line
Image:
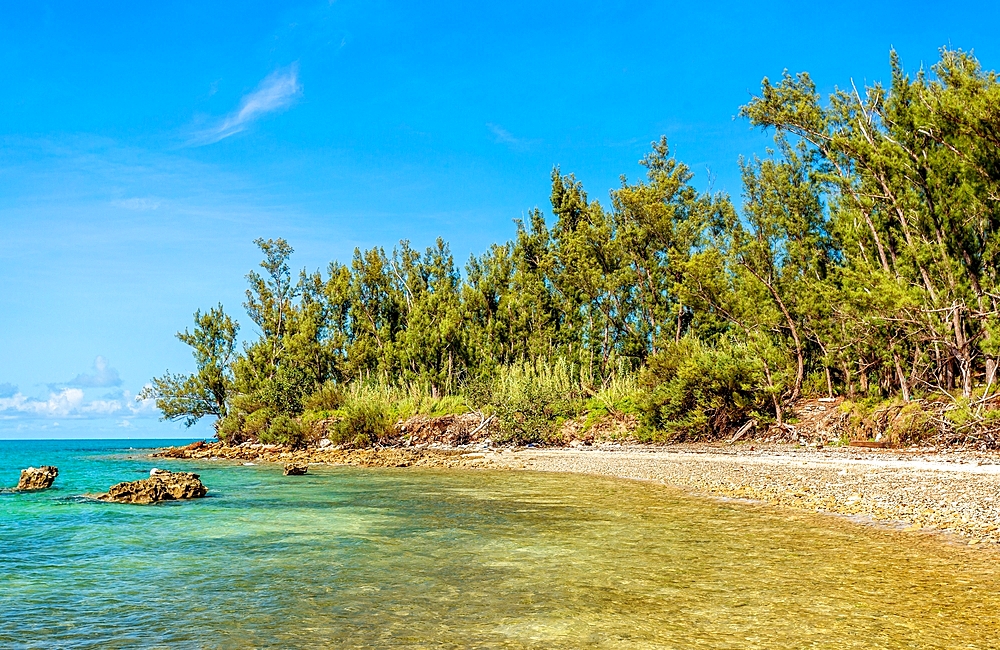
{"points": [[348, 557]]}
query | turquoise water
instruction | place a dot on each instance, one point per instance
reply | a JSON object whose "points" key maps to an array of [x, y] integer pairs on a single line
{"points": [[348, 557]]}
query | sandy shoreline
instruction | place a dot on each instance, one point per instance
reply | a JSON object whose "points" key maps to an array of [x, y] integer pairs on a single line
{"points": [[956, 492]]}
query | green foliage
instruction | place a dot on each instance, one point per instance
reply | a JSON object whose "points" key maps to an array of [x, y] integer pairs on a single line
{"points": [[328, 397], [231, 429], [363, 421], [282, 430], [695, 391], [529, 399], [207, 391], [257, 422], [862, 261]]}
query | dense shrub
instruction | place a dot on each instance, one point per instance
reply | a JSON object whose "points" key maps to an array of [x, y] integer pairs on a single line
{"points": [[361, 423], [329, 397], [230, 429], [283, 430], [694, 391], [528, 399]]}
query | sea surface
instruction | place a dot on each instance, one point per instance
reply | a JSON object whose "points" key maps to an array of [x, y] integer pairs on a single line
{"points": [[356, 558]]}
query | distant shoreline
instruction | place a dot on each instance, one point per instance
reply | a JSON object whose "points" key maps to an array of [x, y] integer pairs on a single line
{"points": [[918, 490]]}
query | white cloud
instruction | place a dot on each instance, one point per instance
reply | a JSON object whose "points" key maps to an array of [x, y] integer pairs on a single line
{"points": [[58, 404], [72, 403], [140, 406], [104, 376], [277, 91]]}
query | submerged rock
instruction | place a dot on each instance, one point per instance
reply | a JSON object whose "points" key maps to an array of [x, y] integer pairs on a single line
{"points": [[160, 486], [37, 478], [296, 469]]}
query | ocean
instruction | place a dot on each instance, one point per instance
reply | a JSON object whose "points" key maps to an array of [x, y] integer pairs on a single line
{"points": [[349, 557]]}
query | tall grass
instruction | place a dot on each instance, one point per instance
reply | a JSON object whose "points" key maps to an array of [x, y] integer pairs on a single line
{"points": [[531, 399], [364, 412]]}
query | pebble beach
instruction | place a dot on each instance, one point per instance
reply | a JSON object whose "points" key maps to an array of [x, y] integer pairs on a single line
{"points": [[955, 492], [951, 492]]}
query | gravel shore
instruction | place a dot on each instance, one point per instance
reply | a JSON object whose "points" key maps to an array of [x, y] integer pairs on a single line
{"points": [[954, 492], [918, 490]]}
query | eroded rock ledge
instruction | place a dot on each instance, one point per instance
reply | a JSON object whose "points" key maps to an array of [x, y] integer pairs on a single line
{"points": [[37, 478], [160, 486], [296, 469], [373, 457]]}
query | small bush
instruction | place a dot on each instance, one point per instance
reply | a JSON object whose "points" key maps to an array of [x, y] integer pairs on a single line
{"points": [[362, 423], [529, 399], [256, 423], [230, 429], [329, 397], [912, 425], [694, 391], [283, 430]]}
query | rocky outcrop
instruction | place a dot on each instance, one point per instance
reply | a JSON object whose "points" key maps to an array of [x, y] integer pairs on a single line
{"points": [[160, 486], [181, 452], [37, 478], [296, 469]]}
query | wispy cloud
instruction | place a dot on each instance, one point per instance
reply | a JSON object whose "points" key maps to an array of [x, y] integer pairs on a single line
{"points": [[7, 390], [276, 92], [503, 136], [137, 203], [104, 376]]}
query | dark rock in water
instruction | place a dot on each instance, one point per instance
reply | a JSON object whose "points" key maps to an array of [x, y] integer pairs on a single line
{"points": [[160, 486], [37, 478], [296, 469]]}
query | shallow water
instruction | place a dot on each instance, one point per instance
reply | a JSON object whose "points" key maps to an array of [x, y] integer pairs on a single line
{"points": [[347, 557]]}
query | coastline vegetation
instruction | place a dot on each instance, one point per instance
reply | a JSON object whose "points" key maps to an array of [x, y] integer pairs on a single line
{"points": [[861, 261]]}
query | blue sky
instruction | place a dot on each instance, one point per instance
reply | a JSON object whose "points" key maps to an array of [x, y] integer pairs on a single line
{"points": [[143, 148]]}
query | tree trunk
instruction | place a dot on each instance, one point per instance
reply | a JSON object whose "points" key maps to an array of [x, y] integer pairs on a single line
{"points": [[903, 384], [799, 355], [775, 398], [962, 353], [680, 314], [849, 380]]}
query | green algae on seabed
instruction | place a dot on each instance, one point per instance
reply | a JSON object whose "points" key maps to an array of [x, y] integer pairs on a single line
{"points": [[347, 557]]}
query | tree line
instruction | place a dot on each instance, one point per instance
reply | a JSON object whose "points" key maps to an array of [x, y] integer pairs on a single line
{"points": [[861, 260]]}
